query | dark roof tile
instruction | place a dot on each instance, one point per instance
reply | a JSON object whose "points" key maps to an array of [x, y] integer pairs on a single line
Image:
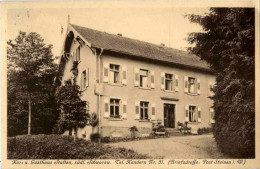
{"points": [[139, 48]]}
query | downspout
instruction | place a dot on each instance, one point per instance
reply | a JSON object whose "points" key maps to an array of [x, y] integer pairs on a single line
{"points": [[99, 101]]}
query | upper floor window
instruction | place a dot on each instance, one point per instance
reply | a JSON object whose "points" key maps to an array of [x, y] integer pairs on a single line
{"points": [[144, 110], [191, 85], [78, 53], [143, 78], [211, 86], [114, 73], [168, 82], [212, 115], [84, 79], [114, 108]]}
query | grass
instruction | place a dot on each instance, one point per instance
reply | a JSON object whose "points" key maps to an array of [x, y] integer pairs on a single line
{"points": [[63, 147]]}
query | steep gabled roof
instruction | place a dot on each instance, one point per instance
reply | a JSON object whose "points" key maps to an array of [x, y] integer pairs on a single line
{"points": [[138, 48]]}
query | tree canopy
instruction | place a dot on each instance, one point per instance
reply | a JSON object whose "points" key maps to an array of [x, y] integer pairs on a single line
{"points": [[30, 74], [73, 113], [227, 43]]}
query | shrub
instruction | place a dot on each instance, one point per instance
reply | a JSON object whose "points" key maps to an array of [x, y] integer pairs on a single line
{"points": [[133, 131], [63, 147], [94, 137], [105, 139], [200, 131]]}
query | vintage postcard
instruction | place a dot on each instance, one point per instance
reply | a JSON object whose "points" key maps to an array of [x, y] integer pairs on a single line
{"points": [[120, 84]]}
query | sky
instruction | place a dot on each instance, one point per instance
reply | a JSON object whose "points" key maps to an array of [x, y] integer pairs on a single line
{"points": [[154, 25]]}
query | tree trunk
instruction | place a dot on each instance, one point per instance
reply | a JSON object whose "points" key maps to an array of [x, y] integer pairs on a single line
{"points": [[75, 134], [29, 118]]}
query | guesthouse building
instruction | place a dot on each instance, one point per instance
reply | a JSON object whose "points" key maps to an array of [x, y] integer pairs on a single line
{"points": [[128, 82]]}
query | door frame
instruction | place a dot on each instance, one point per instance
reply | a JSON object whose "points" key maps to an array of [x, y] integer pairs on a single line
{"points": [[175, 109]]}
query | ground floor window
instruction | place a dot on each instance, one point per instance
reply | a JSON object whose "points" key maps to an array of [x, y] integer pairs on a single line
{"points": [[192, 114], [144, 110], [114, 108]]}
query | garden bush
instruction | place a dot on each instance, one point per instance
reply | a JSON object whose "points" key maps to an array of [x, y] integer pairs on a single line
{"points": [[94, 137], [63, 147]]}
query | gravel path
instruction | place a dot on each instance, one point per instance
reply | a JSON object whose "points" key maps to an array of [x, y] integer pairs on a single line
{"points": [[176, 147]]}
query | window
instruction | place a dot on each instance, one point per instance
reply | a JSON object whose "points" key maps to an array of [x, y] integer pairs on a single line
{"points": [[192, 113], [211, 86], [168, 82], [191, 85], [78, 54], [143, 78], [144, 110], [114, 74], [83, 79], [212, 115], [114, 108]]}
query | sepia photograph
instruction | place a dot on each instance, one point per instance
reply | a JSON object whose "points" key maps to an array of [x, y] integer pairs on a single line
{"points": [[129, 84]]}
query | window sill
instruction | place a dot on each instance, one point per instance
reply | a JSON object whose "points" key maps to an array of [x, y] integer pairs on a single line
{"points": [[169, 91], [143, 120], [115, 119], [115, 84], [192, 94], [195, 122], [144, 88]]}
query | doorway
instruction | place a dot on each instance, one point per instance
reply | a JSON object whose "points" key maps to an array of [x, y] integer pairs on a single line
{"points": [[169, 115]]}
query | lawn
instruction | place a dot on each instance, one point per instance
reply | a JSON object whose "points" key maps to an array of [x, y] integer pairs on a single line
{"points": [[63, 147]]}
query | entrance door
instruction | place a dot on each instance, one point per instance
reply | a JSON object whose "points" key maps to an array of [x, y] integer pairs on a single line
{"points": [[169, 115]]}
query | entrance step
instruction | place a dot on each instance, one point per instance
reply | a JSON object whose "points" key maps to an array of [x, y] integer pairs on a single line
{"points": [[173, 132]]}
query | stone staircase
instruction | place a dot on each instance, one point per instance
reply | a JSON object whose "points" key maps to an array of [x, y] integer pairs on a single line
{"points": [[173, 132]]}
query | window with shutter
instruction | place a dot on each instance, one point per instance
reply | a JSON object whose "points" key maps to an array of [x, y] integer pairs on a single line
{"points": [[212, 114], [137, 115], [152, 80], [198, 86], [192, 114], [199, 114], [153, 112], [143, 78], [162, 81], [124, 75], [169, 82], [186, 113], [186, 84], [176, 83], [114, 108], [144, 109], [106, 108], [124, 109], [105, 73], [136, 77], [192, 85]]}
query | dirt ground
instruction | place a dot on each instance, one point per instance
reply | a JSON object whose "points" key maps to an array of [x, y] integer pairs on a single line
{"points": [[176, 147]]}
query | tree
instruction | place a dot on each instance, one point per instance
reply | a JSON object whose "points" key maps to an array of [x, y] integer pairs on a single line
{"points": [[72, 109], [30, 88], [227, 43]]}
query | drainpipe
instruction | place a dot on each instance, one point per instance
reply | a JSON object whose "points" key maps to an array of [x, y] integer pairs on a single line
{"points": [[99, 101]]}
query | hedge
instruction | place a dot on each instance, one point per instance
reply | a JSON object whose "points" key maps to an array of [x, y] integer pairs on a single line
{"points": [[63, 147]]}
